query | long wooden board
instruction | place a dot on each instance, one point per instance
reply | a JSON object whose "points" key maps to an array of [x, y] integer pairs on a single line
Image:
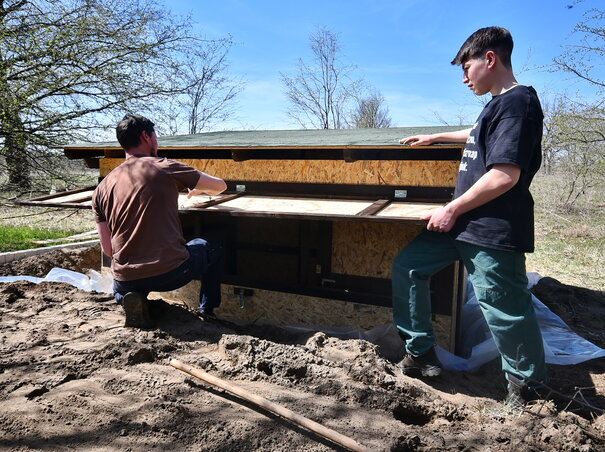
{"points": [[418, 173]]}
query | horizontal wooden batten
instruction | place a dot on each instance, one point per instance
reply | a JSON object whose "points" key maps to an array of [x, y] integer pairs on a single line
{"points": [[80, 199], [344, 288], [344, 191]]}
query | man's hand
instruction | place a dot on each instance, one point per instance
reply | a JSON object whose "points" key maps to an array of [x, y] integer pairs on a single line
{"points": [[195, 192], [441, 220], [416, 140]]}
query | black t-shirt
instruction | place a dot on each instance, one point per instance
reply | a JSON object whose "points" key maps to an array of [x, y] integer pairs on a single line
{"points": [[508, 131]]}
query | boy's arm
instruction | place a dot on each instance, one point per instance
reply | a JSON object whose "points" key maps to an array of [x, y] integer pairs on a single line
{"points": [[459, 136], [497, 181]]}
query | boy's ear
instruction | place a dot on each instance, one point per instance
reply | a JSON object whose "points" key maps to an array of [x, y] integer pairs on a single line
{"points": [[491, 57]]}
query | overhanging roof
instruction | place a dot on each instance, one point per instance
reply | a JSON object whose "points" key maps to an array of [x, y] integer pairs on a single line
{"points": [[288, 139]]}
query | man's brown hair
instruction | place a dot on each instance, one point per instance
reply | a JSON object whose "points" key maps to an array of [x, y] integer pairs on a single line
{"points": [[129, 129], [496, 39]]}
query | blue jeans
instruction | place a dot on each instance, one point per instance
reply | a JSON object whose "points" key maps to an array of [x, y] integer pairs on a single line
{"points": [[202, 265], [500, 283]]}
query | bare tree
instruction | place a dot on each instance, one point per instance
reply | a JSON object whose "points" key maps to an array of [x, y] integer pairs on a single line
{"points": [[321, 92], [371, 112], [208, 92], [574, 132], [574, 144], [68, 68], [585, 59]]}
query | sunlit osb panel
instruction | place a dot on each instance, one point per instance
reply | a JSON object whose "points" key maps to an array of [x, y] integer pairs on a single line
{"points": [[368, 172], [442, 326], [369, 248], [280, 308]]}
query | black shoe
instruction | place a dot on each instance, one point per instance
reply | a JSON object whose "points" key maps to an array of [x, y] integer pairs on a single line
{"points": [[208, 313], [428, 365], [136, 309]]}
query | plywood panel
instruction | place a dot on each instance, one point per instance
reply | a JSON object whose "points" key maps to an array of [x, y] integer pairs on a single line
{"points": [[371, 172], [292, 205], [197, 201], [369, 248], [408, 210]]}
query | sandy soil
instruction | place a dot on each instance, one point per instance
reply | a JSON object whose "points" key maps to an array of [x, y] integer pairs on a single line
{"points": [[73, 378]]}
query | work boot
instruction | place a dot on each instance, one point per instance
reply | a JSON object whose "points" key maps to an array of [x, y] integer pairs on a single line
{"points": [[427, 364], [519, 392], [136, 309]]}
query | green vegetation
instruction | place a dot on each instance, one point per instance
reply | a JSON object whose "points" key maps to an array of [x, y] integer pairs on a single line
{"points": [[21, 226], [13, 238], [570, 244]]}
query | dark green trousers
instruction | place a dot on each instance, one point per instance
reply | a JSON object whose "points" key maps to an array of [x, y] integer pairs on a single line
{"points": [[500, 282]]}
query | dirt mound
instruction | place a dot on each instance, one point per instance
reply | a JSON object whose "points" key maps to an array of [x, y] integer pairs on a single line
{"points": [[71, 376], [75, 259]]}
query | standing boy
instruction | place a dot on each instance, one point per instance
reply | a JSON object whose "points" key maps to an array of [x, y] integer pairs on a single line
{"points": [[136, 211], [488, 226]]}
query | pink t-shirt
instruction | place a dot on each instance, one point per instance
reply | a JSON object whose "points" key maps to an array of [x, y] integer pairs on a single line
{"points": [[138, 200]]}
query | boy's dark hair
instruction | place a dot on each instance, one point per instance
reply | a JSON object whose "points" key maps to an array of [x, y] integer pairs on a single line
{"points": [[496, 39], [129, 129]]}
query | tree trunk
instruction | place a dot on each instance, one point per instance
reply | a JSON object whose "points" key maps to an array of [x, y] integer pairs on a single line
{"points": [[15, 153]]}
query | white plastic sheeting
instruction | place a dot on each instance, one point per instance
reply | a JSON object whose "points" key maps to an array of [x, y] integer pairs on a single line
{"points": [[561, 345], [93, 281]]}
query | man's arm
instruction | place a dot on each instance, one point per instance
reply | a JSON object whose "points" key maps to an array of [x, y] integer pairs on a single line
{"points": [[105, 238], [459, 136], [497, 181], [209, 185]]}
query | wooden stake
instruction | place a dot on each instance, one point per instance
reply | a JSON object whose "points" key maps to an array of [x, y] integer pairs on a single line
{"points": [[273, 407]]}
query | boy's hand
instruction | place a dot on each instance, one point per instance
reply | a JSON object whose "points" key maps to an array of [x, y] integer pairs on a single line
{"points": [[416, 140], [440, 220]]}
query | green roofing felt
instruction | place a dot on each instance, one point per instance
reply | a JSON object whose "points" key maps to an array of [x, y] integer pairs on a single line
{"points": [[286, 138]]}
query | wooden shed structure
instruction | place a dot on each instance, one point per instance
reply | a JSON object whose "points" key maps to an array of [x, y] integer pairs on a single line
{"points": [[311, 219]]}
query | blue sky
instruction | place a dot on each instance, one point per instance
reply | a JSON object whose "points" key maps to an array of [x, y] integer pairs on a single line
{"points": [[403, 48]]}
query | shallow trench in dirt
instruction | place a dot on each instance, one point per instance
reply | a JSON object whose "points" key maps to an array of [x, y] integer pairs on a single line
{"points": [[72, 377]]}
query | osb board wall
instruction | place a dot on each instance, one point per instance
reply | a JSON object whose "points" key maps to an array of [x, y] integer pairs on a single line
{"points": [[278, 308], [368, 249], [371, 172]]}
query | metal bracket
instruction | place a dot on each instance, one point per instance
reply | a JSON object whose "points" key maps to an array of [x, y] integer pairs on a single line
{"points": [[400, 194], [240, 188], [242, 292]]}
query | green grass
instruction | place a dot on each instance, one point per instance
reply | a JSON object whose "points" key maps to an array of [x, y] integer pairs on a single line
{"points": [[20, 225], [570, 245], [13, 238]]}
